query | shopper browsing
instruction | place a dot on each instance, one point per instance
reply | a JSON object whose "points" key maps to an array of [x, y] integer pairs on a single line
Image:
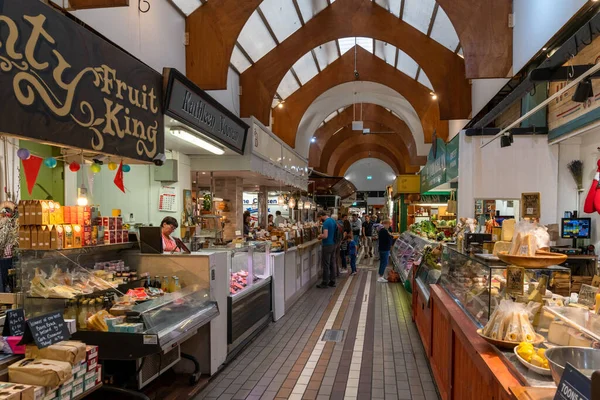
{"points": [[278, 219], [352, 252], [327, 236], [356, 228], [385, 244], [367, 232]]}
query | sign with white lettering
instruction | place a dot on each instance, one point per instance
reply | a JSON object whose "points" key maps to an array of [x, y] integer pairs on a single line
{"points": [[46, 330], [62, 84], [14, 323], [573, 385], [186, 102]]}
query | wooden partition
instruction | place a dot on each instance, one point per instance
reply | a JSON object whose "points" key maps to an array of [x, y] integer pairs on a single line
{"points": [[464, 366]]}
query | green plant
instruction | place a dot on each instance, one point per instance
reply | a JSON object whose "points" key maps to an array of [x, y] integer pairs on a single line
{"points": [[207, 200]]}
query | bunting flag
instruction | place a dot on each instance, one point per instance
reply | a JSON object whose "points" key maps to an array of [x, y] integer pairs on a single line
{"points": [[90, 179], [119, 178], [32, 166]]}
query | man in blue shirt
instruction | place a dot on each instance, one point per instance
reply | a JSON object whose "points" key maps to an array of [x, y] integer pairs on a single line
{"points": [[328, 251]]}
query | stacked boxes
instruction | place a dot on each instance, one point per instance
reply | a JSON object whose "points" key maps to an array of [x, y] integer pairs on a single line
{"points": [[45, 225], [15, 391], [113, 230]]}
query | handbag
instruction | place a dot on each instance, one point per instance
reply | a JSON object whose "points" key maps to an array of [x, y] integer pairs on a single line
{"points": [[393, 276], [451, 204]]}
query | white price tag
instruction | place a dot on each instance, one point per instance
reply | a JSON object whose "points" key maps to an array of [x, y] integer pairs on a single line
{"points": [[151, 339], [529, 210], [238, 233]]}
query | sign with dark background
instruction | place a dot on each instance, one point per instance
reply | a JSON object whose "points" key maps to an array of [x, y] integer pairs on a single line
{"points": [[14, 324], [46, 330], [62, 84], [186, 102]]}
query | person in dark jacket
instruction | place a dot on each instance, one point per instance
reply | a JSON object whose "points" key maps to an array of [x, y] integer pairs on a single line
{"points": [[385, 245]]}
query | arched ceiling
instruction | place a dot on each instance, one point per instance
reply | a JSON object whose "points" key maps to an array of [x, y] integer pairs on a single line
{"points": [[311, 64], [360, 92], [287, 119], [361, 18], [215, 27], [347, 137], [328, 135], [380, 172]]}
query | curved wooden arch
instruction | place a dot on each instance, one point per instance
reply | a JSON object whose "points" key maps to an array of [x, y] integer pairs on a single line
{"points": [[368, 112], [350, 18], [367, 142], [373, 153], [215, 27], [347, 135], [372, 68]]}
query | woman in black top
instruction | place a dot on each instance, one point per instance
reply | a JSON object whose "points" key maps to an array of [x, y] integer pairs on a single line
{"points": [[385, 245]]}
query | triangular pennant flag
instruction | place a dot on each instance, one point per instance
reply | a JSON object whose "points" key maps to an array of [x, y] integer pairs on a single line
{"points": [[31, 166], [119, 178]]}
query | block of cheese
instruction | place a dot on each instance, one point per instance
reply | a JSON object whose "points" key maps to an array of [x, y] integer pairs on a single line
{"points": [[501, 246], [558, 333], [508, 229], [579, 340]]}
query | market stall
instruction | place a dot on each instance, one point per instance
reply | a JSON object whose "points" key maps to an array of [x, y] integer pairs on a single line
{"points": [[471, 303]]}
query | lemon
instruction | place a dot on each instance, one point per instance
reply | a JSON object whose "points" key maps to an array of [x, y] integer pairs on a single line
{"points": [[525, 353], [537, 361], [541, 353]]}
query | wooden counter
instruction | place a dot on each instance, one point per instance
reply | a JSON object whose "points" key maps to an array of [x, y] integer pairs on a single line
{"points": [[464, 366]]}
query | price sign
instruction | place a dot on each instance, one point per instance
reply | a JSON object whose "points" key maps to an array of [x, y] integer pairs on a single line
{"points": [[573, 385], [46, 330], [587, 295], [14, 324]]}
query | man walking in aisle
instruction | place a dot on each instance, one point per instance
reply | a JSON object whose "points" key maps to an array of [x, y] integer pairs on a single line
{"points": [[356, 228], [367, 232], [327, 236], [385, 245]]}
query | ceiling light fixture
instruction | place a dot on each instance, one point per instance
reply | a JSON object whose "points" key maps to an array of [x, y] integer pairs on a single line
{"points": [[433, 95], [196, 141], [82, 199], [280, 105], [313, 139]]}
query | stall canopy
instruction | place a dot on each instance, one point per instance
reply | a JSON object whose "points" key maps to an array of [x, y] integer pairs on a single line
{"points": [[332, 185], [64, 85]]}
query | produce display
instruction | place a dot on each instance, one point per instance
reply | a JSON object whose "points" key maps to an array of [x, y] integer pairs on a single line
{"points": [[536, 356]]}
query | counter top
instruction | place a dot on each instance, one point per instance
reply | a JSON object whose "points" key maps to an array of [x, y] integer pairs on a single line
{"points": [[308, 244], [532, 393]]}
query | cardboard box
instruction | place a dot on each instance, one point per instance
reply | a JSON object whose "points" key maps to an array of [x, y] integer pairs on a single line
{"points": [[87, 216], [66, 214], [91, 351], [110, 237], [73, 210], [60, 237], [39, 372], [54, 243], [69, 351], [24, 237], [34, 238], [88, 384], [92, 363], [29, 213], [125, 235], [45, 212], [12, 391], [21, 209], [68, 237], [100, 235], [59, 213], [87, 236], [38, 212], [77, 237], [45, 238], [80, 215], [118, 223], [98, 374]]}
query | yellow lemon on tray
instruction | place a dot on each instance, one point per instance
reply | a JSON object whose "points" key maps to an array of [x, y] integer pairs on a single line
{"points": [[526, 353], [537, 361], [541, 353]]}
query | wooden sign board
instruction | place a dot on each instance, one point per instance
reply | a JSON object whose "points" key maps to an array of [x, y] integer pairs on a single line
{"points": [[531, 205]]}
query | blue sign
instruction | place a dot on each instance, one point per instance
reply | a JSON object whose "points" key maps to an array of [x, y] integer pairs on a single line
{"points": [[573, 385]]}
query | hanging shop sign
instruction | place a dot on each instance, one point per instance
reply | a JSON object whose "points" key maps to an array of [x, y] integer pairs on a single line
{"points": [[565, 115], [434, 172], [62, 84], [452, 159], [188, 103]]}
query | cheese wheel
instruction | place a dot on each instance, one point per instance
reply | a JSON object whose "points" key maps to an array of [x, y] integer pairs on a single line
{"points": [[508, 229], [558, 333]]}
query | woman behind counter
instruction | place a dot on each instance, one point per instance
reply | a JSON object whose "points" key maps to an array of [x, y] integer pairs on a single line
{"points": [[168, 226]]}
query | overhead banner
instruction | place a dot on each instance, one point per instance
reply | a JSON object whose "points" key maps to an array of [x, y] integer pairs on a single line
{"points": [[434, 172], [62, 84], [186, 102], [452, 159]]}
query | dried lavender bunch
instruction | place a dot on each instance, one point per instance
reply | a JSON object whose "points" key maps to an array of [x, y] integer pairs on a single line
{"points": [[576, 169]]}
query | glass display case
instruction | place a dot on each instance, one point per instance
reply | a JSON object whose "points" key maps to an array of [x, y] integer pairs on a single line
{"points": [[250, 265], [429, 270], [478, 286], [407, 252]]}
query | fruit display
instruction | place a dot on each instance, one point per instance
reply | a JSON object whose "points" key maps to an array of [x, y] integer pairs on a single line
{"points": [[424, 229], [533, 355]]}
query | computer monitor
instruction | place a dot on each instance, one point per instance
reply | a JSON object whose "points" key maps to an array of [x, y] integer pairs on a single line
{"points": [[576, 228], [151, 240]]}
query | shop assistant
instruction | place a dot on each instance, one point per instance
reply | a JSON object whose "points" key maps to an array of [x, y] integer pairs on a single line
{"points": [[167, 227]]}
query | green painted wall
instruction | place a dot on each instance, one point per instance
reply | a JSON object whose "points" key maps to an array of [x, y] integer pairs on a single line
{"points": [[50, 179]]}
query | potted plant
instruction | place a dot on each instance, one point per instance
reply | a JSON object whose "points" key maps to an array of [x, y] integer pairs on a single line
{"points": [[206, 203]]}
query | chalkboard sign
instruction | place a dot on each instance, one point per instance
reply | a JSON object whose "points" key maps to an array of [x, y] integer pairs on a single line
{"points": [[573, 385], [14, 324], [46, 330]]}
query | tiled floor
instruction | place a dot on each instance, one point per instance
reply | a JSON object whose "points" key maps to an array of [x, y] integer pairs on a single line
{"points": [[379, 357]]}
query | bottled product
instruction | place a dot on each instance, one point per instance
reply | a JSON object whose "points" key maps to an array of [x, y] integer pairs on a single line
{"points": [[148, 282], [165, 284], [177, 284], [157, 282], [172, 285], [82, 314]]}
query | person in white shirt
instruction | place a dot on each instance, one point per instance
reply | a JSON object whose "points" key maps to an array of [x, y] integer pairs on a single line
{"points": [[279, 219]]}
